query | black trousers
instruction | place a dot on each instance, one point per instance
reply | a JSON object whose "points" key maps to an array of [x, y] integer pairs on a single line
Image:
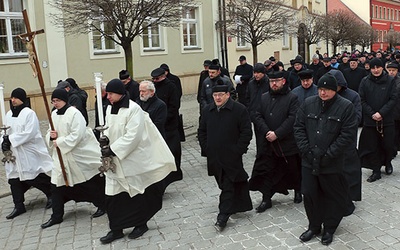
{"points": [[172, 138], [272, 174], [325, 199], [241, 90], [18, 188], [92, 190], [234, 197], [375, 150]]}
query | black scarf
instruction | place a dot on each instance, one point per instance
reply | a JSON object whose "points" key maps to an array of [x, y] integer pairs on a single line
{"points": [[62, 110], [17, 109], [122, 103]]}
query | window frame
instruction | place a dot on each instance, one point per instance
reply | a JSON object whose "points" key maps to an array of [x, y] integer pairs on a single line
{"points": [[150, 38], [185, 21], [8, 16], [103, 42]]}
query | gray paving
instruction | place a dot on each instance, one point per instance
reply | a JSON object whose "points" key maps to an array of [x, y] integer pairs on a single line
{"points": [[189, 212]]}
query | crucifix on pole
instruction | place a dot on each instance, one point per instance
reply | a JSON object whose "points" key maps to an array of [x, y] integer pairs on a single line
{"points": [[28, 39]]}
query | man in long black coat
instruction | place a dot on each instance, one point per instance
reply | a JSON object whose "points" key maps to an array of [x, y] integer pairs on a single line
{"points": [[224, 135], [323, 70], [153, 105], [354, 74], [325, 128], [378, 99], [131, 86], [352, 170], [277, 167], [166, 91], [245, 72], [258, 85]]}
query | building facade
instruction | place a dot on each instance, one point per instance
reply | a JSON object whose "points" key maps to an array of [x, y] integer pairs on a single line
{"points": [[78, 56], [385, 19]]}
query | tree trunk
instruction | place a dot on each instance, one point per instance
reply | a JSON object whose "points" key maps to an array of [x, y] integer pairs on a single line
{"points": [[128, 58], [308, 53], [334, 48], [255, 56]]}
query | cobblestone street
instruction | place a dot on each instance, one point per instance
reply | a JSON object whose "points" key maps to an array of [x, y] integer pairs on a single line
{"points": [[189, 212]]}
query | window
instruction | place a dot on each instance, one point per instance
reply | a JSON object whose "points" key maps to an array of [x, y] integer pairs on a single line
{"points": [[285, 36], [11, 25], [380, 12], [152, 37], [240, 37], [384, 13], [190, 28], [102, 43]]}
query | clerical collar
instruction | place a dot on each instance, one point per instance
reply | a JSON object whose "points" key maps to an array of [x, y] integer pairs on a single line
{"points": [[62, 110], [17, 109]]}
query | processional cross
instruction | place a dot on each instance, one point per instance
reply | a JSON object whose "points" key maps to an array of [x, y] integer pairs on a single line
{"points": [[28, 39]]}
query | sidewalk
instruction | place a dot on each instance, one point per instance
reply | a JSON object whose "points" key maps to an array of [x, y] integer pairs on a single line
{"points": [[190, 208]]}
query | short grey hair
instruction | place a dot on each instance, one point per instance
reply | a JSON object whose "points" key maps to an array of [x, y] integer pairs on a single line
{"points": [[149, 85]]}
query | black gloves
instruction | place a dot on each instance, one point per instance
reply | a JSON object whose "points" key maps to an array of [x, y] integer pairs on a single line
{"points": [[106, 151], [104, 141], [6, 145]]}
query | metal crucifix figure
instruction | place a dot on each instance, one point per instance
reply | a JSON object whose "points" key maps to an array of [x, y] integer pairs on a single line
{"points": [[28, 40]]}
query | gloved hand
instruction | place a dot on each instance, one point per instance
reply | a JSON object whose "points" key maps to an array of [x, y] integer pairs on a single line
{"points": [[104, 141], [106, 151], [6, 145]]}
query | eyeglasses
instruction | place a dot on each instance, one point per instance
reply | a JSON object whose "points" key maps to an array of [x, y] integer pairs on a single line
{"points": [[218, 94], [276, 79]]}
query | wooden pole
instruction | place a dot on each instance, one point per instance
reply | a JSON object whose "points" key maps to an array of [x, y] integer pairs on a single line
{"points": [[29, 34]]}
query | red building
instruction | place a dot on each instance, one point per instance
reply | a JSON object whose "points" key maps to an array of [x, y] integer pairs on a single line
{"points": [[385, 18]]}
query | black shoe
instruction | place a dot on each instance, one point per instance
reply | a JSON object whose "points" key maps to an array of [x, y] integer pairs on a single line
{"points": [[98, 213], [265, 204], [326, 238], [111, 236], [138, 231], [374, 177], [51, 222], [220, 225], [15, 213], [49, 203], [298, 198], [308, 235], [389, 169]]}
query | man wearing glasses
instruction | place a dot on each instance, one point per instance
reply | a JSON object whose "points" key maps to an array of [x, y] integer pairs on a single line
{"points": [[214, 78], [224, 135], [277, 166]]}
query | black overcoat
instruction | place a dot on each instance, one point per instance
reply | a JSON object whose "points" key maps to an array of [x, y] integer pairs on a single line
{"points": [[224, 137]]}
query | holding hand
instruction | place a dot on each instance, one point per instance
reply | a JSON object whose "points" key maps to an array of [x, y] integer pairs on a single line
{"points": [[6, 145], [106, 151], [53, 134]]}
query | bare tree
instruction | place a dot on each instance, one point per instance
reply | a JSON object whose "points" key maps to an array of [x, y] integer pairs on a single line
{"points": [[392, 38], [367, 36], [313, 30], [338, 26], [259, 21], [120, 21]]}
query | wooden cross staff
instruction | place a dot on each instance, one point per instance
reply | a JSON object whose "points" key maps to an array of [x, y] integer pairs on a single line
{"points": [[27, 38]]}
